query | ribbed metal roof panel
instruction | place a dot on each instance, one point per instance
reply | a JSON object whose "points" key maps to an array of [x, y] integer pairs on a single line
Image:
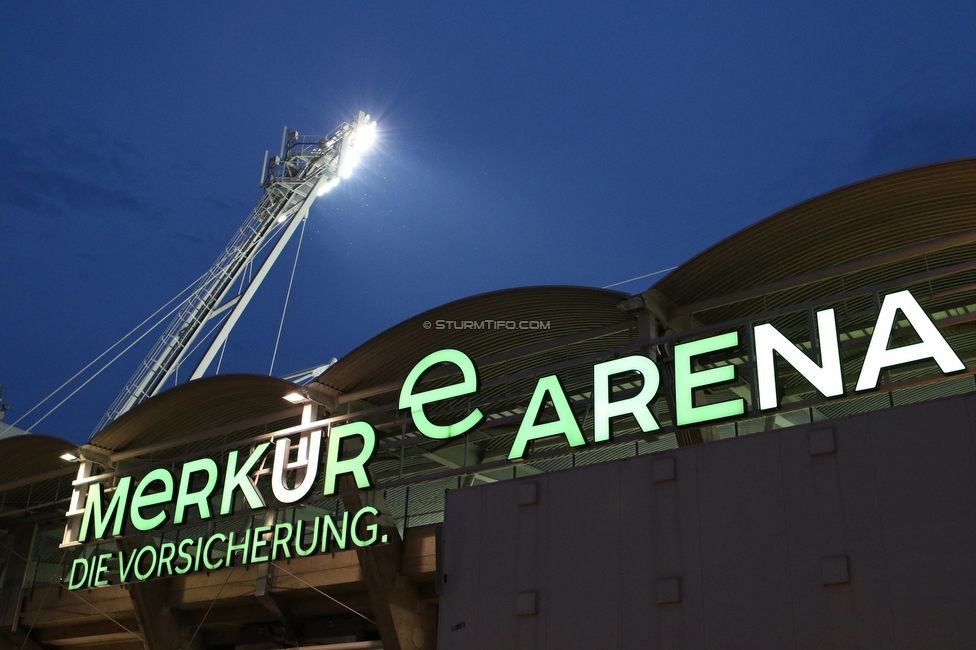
{"points": [[193, 407], [390, 355], [859, 220], [32, 455]]}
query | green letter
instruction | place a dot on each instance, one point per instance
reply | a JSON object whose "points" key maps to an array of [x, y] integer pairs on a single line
{"points": [[93, 508], [281, 541], [125, 567], [371, 528], [300, 535], [167, 551], [327, 525], [356, 465], [206, 553], [78, 562], [416, 401], [100, 570], [138, 562], [185, 498], [257, 542], [142, 500], [233, 548], [239, 479], [186, 556], [604, 410], [566, 424], [686, 380]]}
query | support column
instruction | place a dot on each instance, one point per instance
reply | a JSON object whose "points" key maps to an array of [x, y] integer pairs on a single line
{"points": [[158, 625], [405, 621]]}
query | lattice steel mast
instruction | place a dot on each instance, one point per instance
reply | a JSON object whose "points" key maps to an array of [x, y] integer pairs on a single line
{"points": [[306, 167]]}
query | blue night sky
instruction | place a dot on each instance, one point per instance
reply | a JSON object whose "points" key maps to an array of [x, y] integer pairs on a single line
{"points": [[521, 144]]}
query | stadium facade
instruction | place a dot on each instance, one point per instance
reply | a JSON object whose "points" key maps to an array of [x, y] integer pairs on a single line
{"points": [[771, 447]]}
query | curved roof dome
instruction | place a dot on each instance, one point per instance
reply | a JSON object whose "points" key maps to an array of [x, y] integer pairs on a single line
{"points": [[196, 406], [869, 218], [31, 455], [390, 355]]}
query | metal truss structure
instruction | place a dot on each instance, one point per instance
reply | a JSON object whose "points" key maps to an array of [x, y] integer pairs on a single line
{"points": [[305, 168]]}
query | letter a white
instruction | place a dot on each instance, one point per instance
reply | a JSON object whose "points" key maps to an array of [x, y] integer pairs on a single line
{"points": [[933, 345]]}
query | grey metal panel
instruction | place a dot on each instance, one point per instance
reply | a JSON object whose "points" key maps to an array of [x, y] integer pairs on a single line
{"points": [[745, 566], [532, 572], [464, 529], [584, 558], [500, 571], [659, 539], [927, 489], [870, 599], [746, 526], [815, 523]]}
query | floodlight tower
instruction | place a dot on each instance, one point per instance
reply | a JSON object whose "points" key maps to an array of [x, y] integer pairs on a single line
{"points": [[305, 168]]}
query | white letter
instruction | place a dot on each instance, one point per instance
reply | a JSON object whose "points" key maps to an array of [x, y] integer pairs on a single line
{"points": [[308, 458], [932, 345], [827, 379], [604, 410]]}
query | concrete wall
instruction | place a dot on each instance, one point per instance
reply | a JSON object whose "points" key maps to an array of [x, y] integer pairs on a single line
{"points": [[745, 538]]}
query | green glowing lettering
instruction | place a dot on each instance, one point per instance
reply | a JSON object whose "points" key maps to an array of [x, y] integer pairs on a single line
{"points": [[355, 465], [93, 509], [167, 551], [416, 401], [300, 536], [260, 539], [181, 549], [74, 580], [125, 567], [327, 525], [238, 479], [371, 528], [281, 540], [686, 380], [206, 552], [564, 425], [100, 570], [142, 500], [200, 498], [152, 564], [233, 548]]}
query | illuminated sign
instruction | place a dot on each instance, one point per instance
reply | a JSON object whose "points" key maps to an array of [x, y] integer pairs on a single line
{"points": [[200, 484]]}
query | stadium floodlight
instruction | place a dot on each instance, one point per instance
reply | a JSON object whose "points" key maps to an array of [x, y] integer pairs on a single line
{"points": [[328, 185], [304, 168], [366, 136], [351, 159]]}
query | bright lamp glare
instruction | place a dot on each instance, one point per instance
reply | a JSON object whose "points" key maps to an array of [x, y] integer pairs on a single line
{"points": [[295, 397], [328, 185], [69, 457], [366, 136], [352, 159]]}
